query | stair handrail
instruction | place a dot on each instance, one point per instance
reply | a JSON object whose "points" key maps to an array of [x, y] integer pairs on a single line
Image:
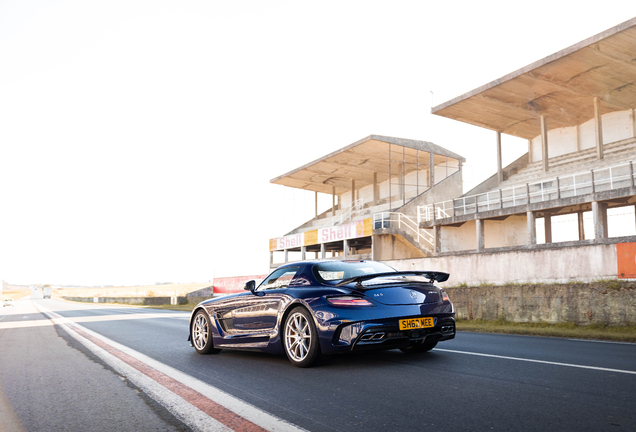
{"points": [[405, 224], [346, 213]]}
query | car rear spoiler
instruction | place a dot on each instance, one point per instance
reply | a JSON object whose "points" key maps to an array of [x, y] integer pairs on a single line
{"points": [[430, 275]]}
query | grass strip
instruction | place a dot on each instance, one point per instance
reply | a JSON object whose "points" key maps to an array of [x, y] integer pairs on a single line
{"points": [[604, 332], [15, 294]]}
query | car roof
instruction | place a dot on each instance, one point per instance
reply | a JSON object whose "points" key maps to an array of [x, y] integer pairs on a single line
{"points": [[320, 261]]}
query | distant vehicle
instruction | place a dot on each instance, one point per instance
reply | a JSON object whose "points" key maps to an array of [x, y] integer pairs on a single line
{"points": [[8, 302], [311, 309], [47, 291]]}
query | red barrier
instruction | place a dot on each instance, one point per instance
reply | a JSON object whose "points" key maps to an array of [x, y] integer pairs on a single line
{"points": [[234, 284]]}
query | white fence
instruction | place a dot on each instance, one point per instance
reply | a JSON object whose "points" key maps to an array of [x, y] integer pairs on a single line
{"points": [[598, 180]]}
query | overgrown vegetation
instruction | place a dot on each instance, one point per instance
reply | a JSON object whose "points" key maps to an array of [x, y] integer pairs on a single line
{"points": [[610, 284], [625, 333]]}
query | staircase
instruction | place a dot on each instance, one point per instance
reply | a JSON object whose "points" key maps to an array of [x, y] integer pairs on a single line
{"points": [[400, 224]]}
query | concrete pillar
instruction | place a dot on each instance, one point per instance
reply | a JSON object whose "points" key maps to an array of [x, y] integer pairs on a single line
{"points": [[598, 123], [271, 257], [481, 238], [577, 138], [345, 248], [547, 223], [544, 143], [437, 238], [532, 229], [303, 253], [316, 203], [323, 251], [581, 225], [530, 155], [333, 201], [431, 172], [632, 123], [599, 219], [353, 191], [390, 181], [417, 172], [403, 175], [401, 182], [499, 164], [375, 188], [286, 256]]}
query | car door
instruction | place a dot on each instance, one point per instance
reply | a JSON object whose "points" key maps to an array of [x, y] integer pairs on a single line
{"points": [[256, 313]]}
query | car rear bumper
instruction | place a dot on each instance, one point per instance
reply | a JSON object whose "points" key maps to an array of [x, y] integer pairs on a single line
{"points": [[385, 334]]}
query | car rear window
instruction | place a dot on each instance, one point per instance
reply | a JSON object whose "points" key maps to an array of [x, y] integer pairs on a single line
{"points": [[334, 272]]}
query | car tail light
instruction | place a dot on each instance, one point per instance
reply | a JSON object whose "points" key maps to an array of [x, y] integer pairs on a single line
{"points": [[444, 296], [349, 301]]}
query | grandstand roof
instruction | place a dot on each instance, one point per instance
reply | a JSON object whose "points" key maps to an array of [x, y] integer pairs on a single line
{"points": [[360, 160], [561, 87]]}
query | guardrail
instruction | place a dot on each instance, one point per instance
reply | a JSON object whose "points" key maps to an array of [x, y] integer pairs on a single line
{"points": [[406, 224], [599, 180]]}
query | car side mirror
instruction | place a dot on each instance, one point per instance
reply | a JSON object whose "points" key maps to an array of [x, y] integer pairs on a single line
{"points": [[250, 285]]}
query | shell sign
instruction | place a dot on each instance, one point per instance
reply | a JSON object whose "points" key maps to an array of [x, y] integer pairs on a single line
{"points": [[357, 229]]}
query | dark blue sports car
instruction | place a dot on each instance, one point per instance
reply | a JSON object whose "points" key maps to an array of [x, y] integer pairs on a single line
{"points": [[315, 308]]}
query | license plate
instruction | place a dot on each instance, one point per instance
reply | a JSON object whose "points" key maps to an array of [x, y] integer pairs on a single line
{"points": [[417, 323]]}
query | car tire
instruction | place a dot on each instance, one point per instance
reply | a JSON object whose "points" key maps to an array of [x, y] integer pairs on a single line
{"points": [[300, 338], [425, 347], [201, 334]]}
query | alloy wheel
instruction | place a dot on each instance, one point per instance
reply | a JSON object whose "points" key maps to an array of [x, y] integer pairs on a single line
{"points": [[200, 332], [297, 337]]}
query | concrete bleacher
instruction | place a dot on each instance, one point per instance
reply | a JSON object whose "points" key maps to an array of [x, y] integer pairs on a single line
{"points": [[572, 163]]}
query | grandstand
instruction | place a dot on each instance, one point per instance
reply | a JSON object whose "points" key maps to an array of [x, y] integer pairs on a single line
{"points": [[575, 108], [377, 185]]}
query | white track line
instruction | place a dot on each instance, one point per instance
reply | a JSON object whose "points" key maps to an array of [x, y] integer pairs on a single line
{"points": [[184, 411], [539, 361]]}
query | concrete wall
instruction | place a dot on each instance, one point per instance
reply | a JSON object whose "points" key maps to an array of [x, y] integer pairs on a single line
{"points": [[492, 182], [451, 187], [510, 232], [603, 303], [462, 238], [616, 126], [541, 264], [389, 247]]}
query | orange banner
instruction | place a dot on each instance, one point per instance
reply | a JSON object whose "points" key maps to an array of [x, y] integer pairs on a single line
{"points": [[626, 257]]}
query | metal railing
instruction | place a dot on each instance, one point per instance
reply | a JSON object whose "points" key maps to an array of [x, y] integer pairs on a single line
{"points": [[406, 224], [346, 214], [599, 180]]}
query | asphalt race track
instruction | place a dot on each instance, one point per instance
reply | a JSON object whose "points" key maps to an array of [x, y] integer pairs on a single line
{"points": [[51, 380]]}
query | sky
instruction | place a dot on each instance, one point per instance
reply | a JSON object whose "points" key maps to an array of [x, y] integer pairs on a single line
{"points": [[138, 138]]}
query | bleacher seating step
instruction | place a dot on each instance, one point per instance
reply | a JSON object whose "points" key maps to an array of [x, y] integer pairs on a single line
{"points": [[572, 163]]}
